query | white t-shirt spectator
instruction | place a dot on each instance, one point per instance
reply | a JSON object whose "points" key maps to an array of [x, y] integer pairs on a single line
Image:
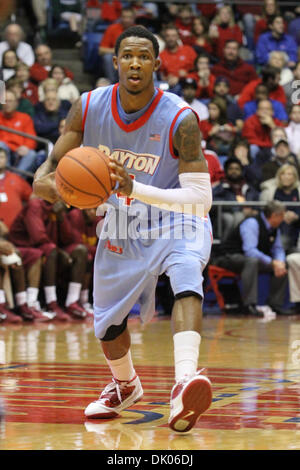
{"points": [[24, 52]]}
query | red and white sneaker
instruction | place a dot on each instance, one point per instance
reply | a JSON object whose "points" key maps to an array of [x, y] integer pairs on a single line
{"points": [[39, 315], [58, 313], [76, 311], [190, 397], [116, 396], [25, 312], [8, 316]]}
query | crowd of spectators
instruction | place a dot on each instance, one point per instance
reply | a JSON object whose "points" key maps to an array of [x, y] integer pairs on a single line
{"points": [[237, 66]]}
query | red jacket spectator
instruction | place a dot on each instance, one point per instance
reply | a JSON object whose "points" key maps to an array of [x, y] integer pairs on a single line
{"points": [[111, 35], [16, 191], [248, 93], [206, 126], [38, 73], [110, 10], [231, 32], [171, 62], [207, 9], [215, 168], [202, 91], [20, 122], [83, 230], [31, 92], [238, 75], [256, 133]]}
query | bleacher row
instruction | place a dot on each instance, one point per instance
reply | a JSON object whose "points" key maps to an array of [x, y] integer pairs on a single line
{"points": [[237, 66]]}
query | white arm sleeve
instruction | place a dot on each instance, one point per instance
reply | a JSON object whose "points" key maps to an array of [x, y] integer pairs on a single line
{"points": [[194, 196]]}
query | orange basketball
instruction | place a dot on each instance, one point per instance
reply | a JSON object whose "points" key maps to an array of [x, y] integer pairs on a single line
{"points": [[83, 177]]}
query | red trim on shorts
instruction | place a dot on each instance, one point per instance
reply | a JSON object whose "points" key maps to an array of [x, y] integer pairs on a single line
{"points": [[172, 127], [141, 120], [86, 109]]}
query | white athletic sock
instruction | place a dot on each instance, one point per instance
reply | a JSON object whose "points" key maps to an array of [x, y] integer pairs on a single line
{"points": [[122, 369], [2, 296], [84, 296], [73, 293], [32, 295], [50, 294], [21, 298], [186, 353]]}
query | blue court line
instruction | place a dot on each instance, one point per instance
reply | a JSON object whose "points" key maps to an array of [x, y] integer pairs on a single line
{"points": [[292, 420], [15, 367]]}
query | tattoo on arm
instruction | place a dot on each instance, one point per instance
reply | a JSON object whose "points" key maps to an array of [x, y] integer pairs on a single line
{"points": [[187, 140], [74, 118]]}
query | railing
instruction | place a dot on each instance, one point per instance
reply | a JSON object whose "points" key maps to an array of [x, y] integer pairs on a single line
{"points": [[43, 141], [255, 204]]}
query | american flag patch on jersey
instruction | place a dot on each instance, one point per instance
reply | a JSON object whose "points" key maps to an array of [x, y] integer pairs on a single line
{"points": [[155, 137]]}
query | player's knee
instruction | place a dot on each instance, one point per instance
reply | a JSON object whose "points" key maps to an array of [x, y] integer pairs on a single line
{"points": [[188, 293], [114, 331]]}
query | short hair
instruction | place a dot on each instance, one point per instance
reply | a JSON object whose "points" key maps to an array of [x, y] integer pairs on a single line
{"points": [[139, 32], [269, 72], [272, 18], [231, 161], [232, 40], [273, 207]]}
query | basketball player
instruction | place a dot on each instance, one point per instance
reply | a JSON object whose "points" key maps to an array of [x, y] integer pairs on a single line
{"points": [[158, 136]]}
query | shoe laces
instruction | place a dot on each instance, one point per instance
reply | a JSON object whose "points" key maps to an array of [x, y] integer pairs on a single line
{"points": [[114, 386]]}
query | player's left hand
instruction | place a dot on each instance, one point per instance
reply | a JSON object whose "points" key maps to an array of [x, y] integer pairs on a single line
{"points": [[119, 175]]}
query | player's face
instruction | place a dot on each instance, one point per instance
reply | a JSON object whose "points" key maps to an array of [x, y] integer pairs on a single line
{"points": [[136, 63]]}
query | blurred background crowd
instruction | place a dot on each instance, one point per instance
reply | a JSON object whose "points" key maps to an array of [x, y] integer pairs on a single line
{"points": [[236, 64]]}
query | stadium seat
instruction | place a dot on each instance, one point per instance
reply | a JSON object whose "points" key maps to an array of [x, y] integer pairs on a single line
{"points": [[215, 274]]}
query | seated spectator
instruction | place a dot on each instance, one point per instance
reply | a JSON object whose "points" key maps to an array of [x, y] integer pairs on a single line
{"points": [[279, 60], [25, 275], [235, 69], [262, 93], [204, 78], [249, 14], [69, 11], [109, 39], [188, 93], [13, 35], [184, 24], [285, 187], [21, 149], [281, 156], [200, 40], [270, 8], [233, 111], [274, 40], [293, 130], [222, 29], [216, 130], [30, 89], [253, 247], [240, 149], [233, 188], [10, 61], [294, 26], [41, 68], [292, 88], [270, 76], [257, 128], [66, 88], [50, 84], [25, 106], [14, 191], [146, 13], [176, 60], [48, 115], [266, 153], [110, 10]]}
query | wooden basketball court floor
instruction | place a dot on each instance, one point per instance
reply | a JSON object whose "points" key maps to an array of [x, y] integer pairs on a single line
{"points": [[50, 372]]}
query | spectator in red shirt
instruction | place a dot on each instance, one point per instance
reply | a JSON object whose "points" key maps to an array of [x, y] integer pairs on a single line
{"points": [[257, 128], [183, 24], [200, 40], [204, 78], [41, 68], [30, 89], [14, 190], [215, 169], [21, 149], [207, 9], [107, 44], [238, 72], [110, 10], [176, 60], [223, 28], [270, 78]]}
